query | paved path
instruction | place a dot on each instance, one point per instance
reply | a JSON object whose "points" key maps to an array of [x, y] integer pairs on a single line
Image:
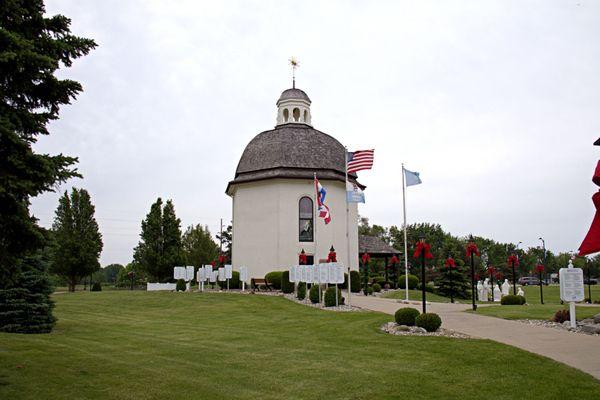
{"points": [[577, 350]]}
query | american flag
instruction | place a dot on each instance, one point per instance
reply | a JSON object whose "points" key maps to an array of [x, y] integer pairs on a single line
{"points": [[360, 159]]}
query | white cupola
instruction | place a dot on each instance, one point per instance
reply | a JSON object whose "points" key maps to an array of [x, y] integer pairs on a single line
{"points": [[293, 107]]}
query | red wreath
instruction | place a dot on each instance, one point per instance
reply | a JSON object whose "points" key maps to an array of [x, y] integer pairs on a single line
{"points": [[491, 271], [302, 259], [539, 268], [394, 261], [513, 259], [366, 258], [222, 259], [423, 247], [450, 263], [499, 276], [331, 257], [472, 249]]}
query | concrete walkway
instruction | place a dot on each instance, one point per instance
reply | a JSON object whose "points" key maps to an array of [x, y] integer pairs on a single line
{"points": [[576, 350]]}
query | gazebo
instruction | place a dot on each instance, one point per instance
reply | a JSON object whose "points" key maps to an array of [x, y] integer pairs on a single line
{"points": [[376, 248]]}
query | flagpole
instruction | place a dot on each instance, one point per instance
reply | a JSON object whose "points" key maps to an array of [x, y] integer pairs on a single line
{"points": [[315, 219], [405, 243], [347, 223]]}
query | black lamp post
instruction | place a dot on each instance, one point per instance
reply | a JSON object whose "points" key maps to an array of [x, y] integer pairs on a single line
{"points": [[543, 265], [131, 273], [589, 274], [471, 251], [422, 240]]}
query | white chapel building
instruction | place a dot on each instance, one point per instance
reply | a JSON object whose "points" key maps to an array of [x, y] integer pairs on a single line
{"points": [[273, 195]]}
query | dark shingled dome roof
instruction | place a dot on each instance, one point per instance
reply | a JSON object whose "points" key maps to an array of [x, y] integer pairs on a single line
{"points": [[293, 94], [375, 246], [292, 151]]}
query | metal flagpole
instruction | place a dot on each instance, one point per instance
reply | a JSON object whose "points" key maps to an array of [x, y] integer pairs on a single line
{"points": [[347, 223], [405, 244], [315, 223]]}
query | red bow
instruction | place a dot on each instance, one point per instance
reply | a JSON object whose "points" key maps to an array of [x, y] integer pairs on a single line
{"points": [[499, 276], [394, 260], [472, 249], [491, 271], [450, 263], [513, 259], [222, 260], [477, 277], [302, 259], [212, 263], [539, 268], [423, 247], [366, 258], [331, 257]]}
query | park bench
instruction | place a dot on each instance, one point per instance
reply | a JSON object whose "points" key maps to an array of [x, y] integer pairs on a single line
{"points": [[257, 282]]}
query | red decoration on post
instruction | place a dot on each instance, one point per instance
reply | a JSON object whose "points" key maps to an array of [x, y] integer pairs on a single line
{"points": [[302, 259], [366, 258], [539, 268], [513, 258], [332, 256], [222, 259], [394, 261], [499, 276], [491, 271], [477, 277], [423, 247], [472, 249], [450, 263]]}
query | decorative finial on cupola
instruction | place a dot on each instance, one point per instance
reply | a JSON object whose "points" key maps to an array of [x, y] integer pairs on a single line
{"points": [[295, 64]]}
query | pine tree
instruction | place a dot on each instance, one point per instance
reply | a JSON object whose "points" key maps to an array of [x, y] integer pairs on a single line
{"points": [[199, 248], [32, 48], [453, 282], [77, 239], [160, 249]]}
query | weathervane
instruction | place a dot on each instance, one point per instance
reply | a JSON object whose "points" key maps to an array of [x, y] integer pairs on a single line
{"points": [[295, 64]]}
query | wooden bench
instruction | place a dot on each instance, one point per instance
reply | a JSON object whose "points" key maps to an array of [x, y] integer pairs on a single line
{"points": [[255, 284]]}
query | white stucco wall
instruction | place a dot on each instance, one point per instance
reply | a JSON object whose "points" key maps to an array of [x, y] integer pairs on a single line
{"points": [[265, 225]]}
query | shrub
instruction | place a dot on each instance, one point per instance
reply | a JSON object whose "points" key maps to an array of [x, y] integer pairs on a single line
{"points": [[355, 281], [429, 321], [180, 287], [369, 290], [561, 316], [380, 280], [330, 297], [376, 287], [406, 316], [314, 294], [345, 284], [301, 291], [512, 300], [274, 278], [429, 288], [286, 285], [413, 281], [234, 282], [96, 287]]}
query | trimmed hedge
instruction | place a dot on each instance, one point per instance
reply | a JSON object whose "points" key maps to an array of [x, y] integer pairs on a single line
{"points": [[314, 294], [234, 282], [355, 281], [286, 285], [413, 281], [429, 321], [274, 278], [330, 297], [180, 286], [512, 300], [376, 287], [96, 287], [380, 280], [301, 291], [406, 316]]}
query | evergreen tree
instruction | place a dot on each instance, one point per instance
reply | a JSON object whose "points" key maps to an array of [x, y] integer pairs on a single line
{"points": [[227, 241], [160, 249], [452, 281], [32, 48], [199, 248], [77, 239]]}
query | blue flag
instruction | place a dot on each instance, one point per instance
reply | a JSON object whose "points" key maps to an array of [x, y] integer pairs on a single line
{"points": [[412, 178], [354, 194]]}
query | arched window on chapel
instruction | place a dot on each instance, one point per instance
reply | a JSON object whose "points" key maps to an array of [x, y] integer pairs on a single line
{"points": [[305, 208]]}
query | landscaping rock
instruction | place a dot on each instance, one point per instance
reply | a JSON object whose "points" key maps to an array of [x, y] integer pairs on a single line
{"points": [[418, 329], [404, 328], [597, 319], [593, 329]]}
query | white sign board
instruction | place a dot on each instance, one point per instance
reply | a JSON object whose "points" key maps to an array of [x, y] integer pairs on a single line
{"points": [[200, 275], [571, 284], [221, 274], [179, 273], [208, 271], [304, 273], [243, 274], [213, 276], [228, 271], [323, 273], [151, 287], [189, 273]]}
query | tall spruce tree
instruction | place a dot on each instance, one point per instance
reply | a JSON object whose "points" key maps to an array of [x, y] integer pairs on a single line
{"points": [[160, 248], [77, 239], [453, 282], [199, 248], [32, 48]]}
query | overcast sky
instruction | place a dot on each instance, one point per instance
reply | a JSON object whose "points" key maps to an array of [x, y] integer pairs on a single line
{"points": [[496, 104]]}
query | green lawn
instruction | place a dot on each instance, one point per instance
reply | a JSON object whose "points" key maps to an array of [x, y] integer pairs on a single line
{"points": [[417, 295], [140, 345], [535, 311], [552, 293]]}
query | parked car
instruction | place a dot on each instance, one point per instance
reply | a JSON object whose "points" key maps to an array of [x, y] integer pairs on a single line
{"points": [[591, 281], [530, 280]]}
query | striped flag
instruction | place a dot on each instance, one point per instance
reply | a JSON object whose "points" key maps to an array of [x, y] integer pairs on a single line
{"points": [[359, 160], [321, 207]]}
